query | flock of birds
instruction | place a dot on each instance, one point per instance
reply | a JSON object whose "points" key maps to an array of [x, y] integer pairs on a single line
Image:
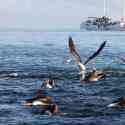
{"points": [[47, 104]]}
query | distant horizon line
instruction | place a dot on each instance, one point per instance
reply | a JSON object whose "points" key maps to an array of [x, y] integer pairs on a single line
{"points": [[39, 29]]}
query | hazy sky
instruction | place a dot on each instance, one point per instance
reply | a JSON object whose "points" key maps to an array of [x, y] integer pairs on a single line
{"points": [[49, 14]]}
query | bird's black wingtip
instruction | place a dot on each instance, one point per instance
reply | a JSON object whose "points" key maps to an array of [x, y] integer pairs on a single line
{"points": [[70, 38], [105, 42]]}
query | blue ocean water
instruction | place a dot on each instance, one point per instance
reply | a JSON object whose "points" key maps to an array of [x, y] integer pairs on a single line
{"points": [[36, 56]]}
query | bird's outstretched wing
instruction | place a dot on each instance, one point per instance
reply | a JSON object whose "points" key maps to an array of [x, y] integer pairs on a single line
{"points": [[96, 53], [73, 51]]}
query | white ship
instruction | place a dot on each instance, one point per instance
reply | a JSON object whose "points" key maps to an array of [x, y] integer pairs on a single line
{"points": [[103, 23]]}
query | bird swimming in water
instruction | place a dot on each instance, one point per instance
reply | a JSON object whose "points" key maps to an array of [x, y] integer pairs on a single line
{"points": [[48, 83], [45, 102], [39, 100], [94, 75], [119, 103]]}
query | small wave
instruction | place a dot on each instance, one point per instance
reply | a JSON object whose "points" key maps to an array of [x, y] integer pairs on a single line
{"points": [[115, 72], [56, 74], [48, 44]]}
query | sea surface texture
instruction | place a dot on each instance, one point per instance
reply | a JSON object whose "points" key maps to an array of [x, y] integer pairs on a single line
{"points": [[27, 58]]}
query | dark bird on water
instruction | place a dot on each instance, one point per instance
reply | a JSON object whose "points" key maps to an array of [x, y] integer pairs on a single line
{"points": [[120, 102], [44, 102]]}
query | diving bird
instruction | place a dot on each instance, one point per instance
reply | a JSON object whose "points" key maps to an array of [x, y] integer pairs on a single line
{"points": [[120, 102], [94, 75]]}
